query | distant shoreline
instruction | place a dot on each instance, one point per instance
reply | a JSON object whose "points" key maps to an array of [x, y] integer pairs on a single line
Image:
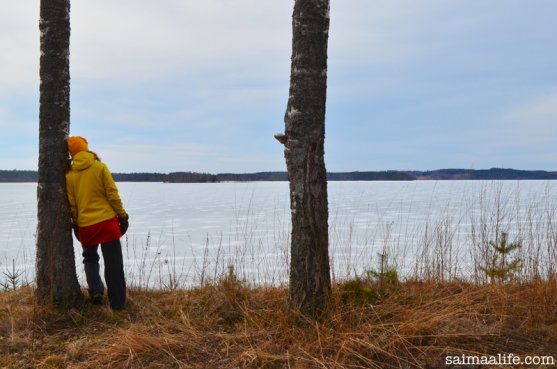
{"points": [[22, 176]]}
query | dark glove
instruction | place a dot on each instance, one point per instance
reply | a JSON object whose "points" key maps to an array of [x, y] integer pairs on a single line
{"points": [[75, 231], [124, 224]]}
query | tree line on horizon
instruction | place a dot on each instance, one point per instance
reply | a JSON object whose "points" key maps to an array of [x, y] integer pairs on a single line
{"points": [[7, 176]]}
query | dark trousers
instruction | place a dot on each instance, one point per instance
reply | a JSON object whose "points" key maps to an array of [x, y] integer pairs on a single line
{"points": [[113, 272]]}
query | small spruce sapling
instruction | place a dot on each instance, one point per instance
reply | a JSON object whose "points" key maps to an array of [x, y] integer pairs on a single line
{"points": [[502, 265], [371, 290], [12, 278], [386, 277]]}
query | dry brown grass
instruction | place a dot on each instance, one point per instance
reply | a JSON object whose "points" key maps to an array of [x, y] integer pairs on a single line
{"points": [[229, 325]]}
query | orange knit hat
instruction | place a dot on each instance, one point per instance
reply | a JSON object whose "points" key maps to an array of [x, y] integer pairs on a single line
{"points": [[77, 144]]}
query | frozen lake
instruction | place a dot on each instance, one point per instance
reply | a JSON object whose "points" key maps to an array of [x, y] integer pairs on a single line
{"points": [[194, 231]]}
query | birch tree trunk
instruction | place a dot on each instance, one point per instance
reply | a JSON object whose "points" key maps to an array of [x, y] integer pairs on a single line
{"points": [[310, 283], [56, 277]]}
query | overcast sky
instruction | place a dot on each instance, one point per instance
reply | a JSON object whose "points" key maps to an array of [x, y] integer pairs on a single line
{"points": [[178, 85]]}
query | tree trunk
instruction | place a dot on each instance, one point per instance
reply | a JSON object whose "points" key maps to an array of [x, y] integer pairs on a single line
{"points": [[310, 281], [56, 277]]}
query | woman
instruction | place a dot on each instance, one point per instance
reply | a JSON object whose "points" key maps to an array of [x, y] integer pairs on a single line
{"points": [[98, 217]]}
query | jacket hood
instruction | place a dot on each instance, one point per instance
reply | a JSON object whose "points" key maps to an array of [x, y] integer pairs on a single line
{"points": [[83, 160]]}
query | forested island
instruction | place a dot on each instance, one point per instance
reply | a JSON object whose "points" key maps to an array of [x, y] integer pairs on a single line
{"points": [[390, 175]]}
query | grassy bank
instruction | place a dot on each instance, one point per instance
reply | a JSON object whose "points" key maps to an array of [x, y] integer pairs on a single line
{"points": [[231, 325]]}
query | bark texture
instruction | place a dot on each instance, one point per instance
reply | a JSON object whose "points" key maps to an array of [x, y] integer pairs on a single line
{"points": [[56, 278], [310, 283]]}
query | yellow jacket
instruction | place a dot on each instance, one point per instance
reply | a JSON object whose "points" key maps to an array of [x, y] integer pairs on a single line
{"points": [[92, 193]]}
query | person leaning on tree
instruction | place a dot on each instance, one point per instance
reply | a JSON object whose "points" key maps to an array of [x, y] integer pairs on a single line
{"points": [[98, 218]]}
